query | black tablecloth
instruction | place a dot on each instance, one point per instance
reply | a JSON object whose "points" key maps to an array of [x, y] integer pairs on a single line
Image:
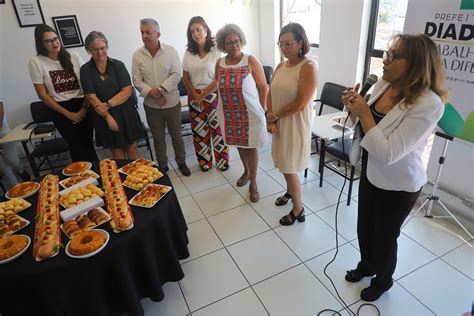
{"points": [[134, 265]]}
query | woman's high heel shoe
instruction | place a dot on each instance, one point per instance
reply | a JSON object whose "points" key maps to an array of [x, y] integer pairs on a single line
{"points": [[290, 219], [282, 200]]}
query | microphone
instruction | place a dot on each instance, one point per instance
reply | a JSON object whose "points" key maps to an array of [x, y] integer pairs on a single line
{"points": [[371, 79]]}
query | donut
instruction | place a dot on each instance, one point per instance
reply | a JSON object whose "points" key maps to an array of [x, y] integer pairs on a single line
{"points": [[12, 245], [86, 242]]}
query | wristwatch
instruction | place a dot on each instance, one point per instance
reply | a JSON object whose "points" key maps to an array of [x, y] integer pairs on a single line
{"points": [[109, 105]]}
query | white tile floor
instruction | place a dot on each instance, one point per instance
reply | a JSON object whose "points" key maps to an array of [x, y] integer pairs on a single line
{"points": [[244, 263]]}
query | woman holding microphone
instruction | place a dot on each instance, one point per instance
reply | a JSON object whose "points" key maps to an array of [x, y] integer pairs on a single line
{"points": [[392, 132]]}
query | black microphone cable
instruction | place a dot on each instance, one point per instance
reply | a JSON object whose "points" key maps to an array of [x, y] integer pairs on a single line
{"points": [[346, 307]]}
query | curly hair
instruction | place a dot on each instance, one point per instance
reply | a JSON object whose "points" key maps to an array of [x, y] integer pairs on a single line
{"points": [[424, 68], [227, 30], [63, 56], [193, 47]]}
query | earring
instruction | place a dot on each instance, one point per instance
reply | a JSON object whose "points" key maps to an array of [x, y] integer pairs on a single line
{"points": [[300, 52]]}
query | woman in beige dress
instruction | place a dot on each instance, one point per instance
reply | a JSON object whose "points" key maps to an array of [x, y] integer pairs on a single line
{"points": [[289, 115]]}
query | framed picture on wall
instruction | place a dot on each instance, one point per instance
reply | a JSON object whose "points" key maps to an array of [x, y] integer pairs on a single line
{"points": [[68, 30], [28, 12], [2, 1]]}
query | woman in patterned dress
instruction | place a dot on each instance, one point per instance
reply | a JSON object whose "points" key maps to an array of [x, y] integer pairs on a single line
{"points": [[242, 102], [199, 63]]}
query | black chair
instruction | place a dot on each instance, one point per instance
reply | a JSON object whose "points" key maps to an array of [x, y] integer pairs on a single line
{"points": [[339, 150], [268, 73], [185, 120], [44, 148], [144, 140]]}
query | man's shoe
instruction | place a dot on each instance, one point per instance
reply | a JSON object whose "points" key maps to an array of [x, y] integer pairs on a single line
{"points": [[184, 170], [164, 168], [373, 293], [25, 176], [355, 275]]}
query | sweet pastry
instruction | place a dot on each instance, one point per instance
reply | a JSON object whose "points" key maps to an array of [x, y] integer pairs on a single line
{"points": [[77, 167], [86, 242], [47, 236], [4, 229], [136, 163], [79, 195], [140, 176], [22, 189], [12, 245], [117, 202], [15, 205], [78, 178], [150, 195], [71, 228], [97, 216], [84, 222]]}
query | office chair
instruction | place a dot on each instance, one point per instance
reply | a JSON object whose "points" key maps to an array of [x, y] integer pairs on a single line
{"points": [[331, 96], [45, 148], [268, 73]]}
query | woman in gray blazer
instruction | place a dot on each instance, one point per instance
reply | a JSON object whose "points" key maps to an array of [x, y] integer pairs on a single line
{"points": [[393, 130]]}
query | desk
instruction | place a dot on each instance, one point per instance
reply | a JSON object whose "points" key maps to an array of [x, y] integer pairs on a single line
{"points": [[22, 134], [325, 127], [134, 265]]}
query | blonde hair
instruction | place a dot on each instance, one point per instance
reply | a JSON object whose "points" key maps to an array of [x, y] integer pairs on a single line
{"points": [[424, 68]]}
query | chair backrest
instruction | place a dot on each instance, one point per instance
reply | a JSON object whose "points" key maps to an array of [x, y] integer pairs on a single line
{"points": [[331, 96], [268, 73], [182, 88], [40, 112]]}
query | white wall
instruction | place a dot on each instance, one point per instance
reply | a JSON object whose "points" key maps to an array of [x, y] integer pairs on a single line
{"points": [[119, 21]]}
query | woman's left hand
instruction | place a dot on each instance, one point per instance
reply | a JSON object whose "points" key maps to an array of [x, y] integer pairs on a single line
{"points": [[271, 117], [113, 126], [101, 107], [272, 128]]}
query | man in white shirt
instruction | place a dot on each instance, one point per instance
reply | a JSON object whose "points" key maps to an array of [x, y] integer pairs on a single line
{"points": [[9, 160], [156, 72]]}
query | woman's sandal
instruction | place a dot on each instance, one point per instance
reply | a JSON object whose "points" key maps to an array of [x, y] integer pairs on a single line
{"points": [[290, 219], [282, 200], [243, 180]]}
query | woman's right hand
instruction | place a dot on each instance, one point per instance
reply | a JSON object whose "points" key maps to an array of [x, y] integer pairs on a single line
{"points": [[75, 118], [112, 123], [272, 128]]}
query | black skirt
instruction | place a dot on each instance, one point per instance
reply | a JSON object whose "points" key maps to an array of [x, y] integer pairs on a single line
{"points": [[129, 124]]}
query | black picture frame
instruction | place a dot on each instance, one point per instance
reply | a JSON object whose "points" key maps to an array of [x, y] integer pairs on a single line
{"points": [[68, 30], [2, 1], [28, 12]]}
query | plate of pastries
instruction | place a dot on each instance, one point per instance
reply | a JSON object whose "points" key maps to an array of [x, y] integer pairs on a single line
{"points": [[69, 182], [80, 195], [140, 176], [76, 168], [85, 222], [13, 206], [12, 247], [22, 190], [134, 164], [12, 223], [86, 244], [150, 195]]}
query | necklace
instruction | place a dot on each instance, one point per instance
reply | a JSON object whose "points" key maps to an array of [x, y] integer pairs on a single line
{"points": [[104, 73]]}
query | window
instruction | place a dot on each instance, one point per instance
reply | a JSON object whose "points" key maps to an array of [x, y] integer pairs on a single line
{"points": [[387, 18], [307, 13]]}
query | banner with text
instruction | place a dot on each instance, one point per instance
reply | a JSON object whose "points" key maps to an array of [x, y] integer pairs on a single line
{"points": [[450, 25]]}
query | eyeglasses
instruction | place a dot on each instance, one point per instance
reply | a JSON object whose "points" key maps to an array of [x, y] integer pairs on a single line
{"points": [[389, 57], [285, 44], [51, 41], [230, 43], [100, 49]]}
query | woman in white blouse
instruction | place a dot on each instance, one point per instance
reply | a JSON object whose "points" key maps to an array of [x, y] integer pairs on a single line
{"points": [[199, 63], [55, 76]]}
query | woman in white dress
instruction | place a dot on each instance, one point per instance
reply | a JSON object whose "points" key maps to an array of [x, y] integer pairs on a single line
{"points": [[199, 64], [242, 98], [289, 115]]}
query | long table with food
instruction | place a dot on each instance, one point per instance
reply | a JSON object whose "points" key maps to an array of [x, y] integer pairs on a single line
{"points": [[94, 240]]}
